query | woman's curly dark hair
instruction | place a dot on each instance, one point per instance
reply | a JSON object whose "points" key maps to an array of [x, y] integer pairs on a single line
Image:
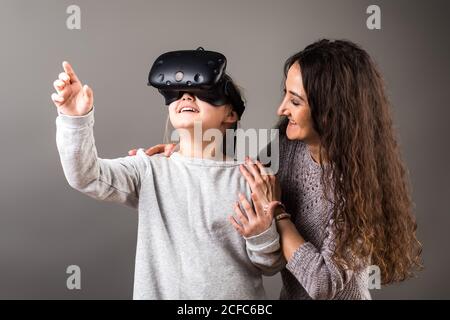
{"points": [[367, 178]]}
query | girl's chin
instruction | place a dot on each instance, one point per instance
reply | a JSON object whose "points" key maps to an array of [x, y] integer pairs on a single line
{"points": [[186, 124]]}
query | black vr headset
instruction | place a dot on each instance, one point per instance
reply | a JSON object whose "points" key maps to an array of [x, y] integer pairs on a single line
{"points": [[197, 72]]}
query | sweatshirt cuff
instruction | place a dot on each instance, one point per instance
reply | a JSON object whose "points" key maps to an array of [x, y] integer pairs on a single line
{"points": [[265, 239], [300, 260], [75, 121]]}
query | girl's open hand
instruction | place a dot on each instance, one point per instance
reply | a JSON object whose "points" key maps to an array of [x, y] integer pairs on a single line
{"points": [[71, 97]]}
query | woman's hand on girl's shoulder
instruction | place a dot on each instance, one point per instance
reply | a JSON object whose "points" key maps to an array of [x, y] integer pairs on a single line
{"points": [[262, 181], [166, 149], [250, 220]]}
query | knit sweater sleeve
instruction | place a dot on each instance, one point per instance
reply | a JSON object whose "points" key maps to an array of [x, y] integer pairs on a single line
{"points": [[316, 271]]}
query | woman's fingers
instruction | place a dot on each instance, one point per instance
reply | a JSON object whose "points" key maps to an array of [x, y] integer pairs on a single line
{"points": [[236, 225], [248, 223], [264, 171], [241, 216], [169, 149], [247, 207], [159, 148], [258, 184], [253, 169], [258, 206], [251, 181], [247, 175]]}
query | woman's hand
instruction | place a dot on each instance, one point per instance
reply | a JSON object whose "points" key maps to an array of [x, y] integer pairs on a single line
{"points": [[71, 97], [167, 149], [261, 181], [250, 223]]}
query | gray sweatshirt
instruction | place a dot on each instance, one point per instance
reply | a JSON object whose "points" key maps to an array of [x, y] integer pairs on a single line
{"points": [[186, 247]]}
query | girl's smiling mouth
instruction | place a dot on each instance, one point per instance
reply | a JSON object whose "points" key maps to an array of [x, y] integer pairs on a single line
{"points": [[187, 108]]}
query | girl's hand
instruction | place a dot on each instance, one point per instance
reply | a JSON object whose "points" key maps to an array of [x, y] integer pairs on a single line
{"points": [[250, 223], [261, 181], [167, 149], [71, 97]]}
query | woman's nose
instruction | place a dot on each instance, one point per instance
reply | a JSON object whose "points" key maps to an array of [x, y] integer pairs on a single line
{"points": [[282, 110]]}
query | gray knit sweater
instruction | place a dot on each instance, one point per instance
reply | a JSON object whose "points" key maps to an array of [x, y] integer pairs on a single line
{"points": [[311, 273]]}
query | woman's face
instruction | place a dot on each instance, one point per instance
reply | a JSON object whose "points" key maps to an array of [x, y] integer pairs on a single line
{"points": [[189, 109], [295, 106]]}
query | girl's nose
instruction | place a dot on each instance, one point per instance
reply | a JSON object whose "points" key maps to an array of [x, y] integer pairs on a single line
{"points": [[187, 96]]}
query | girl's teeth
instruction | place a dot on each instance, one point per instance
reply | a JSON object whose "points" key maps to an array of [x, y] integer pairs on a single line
{"points": [[188, 109]]}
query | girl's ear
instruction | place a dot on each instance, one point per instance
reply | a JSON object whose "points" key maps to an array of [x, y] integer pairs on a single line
{"points": [[231, 116]]}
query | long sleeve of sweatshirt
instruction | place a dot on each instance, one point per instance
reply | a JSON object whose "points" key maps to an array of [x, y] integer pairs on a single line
{"points": [[116, 180]]}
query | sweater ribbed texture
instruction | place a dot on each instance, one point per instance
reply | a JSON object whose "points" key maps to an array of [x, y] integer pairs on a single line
{"points": [[311, 272]]}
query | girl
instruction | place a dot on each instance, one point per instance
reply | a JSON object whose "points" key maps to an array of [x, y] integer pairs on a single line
{"points": [[186, 248]]}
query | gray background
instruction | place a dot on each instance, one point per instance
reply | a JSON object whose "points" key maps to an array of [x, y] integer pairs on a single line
{"points": [[45, 226]]}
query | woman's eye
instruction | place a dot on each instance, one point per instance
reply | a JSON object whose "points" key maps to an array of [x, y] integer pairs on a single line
{"points": [[295, 103]]}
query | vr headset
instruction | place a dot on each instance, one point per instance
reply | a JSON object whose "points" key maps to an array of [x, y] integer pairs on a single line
{"points": [[197, 72]]}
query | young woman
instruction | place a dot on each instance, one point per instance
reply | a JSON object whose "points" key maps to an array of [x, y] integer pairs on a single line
{"points": [[186, 248], [342, 178], [345, 200]]}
